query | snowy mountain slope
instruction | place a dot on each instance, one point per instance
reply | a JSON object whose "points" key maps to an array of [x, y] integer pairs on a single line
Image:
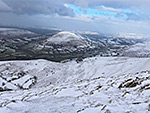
{"points": [[137, 50], [68, 45], [56, 45], [66, 37], [98, 84], [131, 35], [14, 32]]}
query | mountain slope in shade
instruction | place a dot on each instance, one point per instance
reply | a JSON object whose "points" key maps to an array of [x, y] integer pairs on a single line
{"points": [[96, 85]]}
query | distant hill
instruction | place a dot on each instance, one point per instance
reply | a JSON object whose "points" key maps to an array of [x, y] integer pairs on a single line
{"points": [[58, 45]]}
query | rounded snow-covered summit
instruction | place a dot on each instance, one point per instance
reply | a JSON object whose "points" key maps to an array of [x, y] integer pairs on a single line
{"points": [[67, 37]]}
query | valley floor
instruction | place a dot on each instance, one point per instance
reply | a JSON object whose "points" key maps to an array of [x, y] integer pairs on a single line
{"points": [[95, 85]]}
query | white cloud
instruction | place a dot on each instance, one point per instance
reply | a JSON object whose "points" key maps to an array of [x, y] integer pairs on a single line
{"points": [[109, 9]]}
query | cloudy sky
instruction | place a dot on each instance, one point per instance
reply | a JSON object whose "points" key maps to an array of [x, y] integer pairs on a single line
{"points": [[105, 16]]}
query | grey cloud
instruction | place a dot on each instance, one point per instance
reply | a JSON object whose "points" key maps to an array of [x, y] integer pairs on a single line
{"points": [[4, 7], [57, 6], [103, 25], [32, 7], [41, 13]]}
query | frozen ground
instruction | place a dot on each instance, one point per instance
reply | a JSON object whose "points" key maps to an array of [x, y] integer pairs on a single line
{"points": [[96, 85]]}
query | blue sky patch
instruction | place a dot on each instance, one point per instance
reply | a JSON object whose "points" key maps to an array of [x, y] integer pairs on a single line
{"points": [[116, 13]]}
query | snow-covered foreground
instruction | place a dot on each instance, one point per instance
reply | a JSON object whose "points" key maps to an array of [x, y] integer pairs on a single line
{"points": [[96, 85]]}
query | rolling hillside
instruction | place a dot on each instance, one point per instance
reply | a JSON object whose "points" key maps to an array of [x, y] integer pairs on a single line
{"points": [[97, 84]]}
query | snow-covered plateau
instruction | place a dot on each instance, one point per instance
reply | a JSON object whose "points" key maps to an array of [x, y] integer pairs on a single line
{"points": [[95, 85]]}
